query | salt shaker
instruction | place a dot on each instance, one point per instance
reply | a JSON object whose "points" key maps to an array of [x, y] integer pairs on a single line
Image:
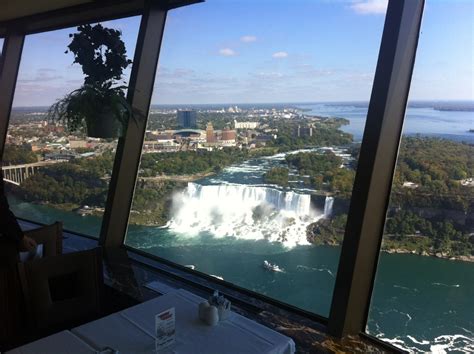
{"points": [[203, 308], [212, 316]]}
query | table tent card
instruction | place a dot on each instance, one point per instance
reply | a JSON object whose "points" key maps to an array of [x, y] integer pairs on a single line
{"points": [[165, 329]]}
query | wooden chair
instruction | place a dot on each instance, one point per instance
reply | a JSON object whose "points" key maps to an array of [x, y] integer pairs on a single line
{"points": [[12, 306], [62, 291], [50, 236]]}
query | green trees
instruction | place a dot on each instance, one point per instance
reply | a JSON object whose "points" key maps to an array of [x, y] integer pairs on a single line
{"points": [[152, 202], [277, 175], [430, 217], [55, 188], [327, 231], [80, 182], [406, 223], [15, 155], [434, 164], [314, 163], [324, 171], [404, 231], [324, 133], [189, 162]]}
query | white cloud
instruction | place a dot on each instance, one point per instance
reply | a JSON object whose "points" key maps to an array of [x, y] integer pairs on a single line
{"points": [[370, 7], [268, 75], [248, 39], [280, 55], [227, 52]]}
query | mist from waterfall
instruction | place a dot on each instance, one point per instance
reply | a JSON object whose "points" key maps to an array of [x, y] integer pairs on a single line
{"points": [[245, 212]]}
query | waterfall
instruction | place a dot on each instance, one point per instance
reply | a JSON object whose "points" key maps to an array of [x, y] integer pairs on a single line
{"points": [[242, 196], [242, 211], [328, 202]]}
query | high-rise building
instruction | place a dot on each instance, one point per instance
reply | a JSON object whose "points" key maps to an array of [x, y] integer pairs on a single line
{"points": [[210, 136], [304, 131], [187, 119]]}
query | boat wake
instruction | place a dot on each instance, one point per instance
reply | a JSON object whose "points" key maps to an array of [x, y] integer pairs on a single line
{"points": [[405, 288], [446, 285], [303, 267]]}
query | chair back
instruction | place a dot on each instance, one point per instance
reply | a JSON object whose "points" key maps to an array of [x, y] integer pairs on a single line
{"points": [[50, 236], [12, 305], [62, 291]]}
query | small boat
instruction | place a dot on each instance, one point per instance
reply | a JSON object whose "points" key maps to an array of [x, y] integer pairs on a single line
{"points": [[190, 266], [271, 267]]}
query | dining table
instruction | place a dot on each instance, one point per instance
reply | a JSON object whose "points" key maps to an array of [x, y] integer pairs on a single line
{"points": [[133, 331]]}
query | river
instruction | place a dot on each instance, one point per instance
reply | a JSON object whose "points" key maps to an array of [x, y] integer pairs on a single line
{"points": [[424, 120]]}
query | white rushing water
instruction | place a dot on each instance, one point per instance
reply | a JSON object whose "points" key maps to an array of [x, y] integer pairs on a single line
{"points": [[328, 206], [245, 211]]}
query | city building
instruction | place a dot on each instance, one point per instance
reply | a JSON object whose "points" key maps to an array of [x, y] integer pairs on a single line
{"points": [[245, 125], [74, 144], [187, 118], [228, 137], [234, 109], [60, 156], [210, 134], [304, 131], [161, 145]]}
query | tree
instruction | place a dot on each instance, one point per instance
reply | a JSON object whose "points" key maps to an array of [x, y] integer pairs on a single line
{"points": [[16, 154]]}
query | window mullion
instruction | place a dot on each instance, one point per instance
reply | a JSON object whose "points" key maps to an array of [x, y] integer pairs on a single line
{"points": [[378, 156], [122, 184], [10, 63]]}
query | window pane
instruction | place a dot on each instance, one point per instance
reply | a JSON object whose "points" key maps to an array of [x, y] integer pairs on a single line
{"points": [[53, 173], [249, 191], [423, 293]]}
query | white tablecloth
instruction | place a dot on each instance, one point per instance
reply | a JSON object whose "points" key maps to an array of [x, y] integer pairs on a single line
{"points": [[132, 330], [63, 342]]}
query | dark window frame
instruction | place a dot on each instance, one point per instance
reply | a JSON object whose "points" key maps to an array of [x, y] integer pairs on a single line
{"points": [[361, 246]]}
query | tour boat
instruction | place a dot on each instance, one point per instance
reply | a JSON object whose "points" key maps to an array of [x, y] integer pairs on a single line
{"points": [[272, 267]]}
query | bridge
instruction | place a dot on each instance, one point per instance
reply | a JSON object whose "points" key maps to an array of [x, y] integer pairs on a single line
{"points": [[17, 174]]}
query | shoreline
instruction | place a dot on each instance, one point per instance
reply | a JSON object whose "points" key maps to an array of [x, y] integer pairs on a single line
{"points": [[468, 259], [179, 178], [401, 250]]}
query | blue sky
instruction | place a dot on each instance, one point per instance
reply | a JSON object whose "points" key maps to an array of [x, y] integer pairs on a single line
{"points": [[225, 51]]}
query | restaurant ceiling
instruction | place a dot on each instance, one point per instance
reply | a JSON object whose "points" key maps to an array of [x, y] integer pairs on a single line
{"points": [[14, 9]]}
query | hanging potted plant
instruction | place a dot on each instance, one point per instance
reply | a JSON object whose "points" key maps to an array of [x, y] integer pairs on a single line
{"points": [[99, 106]]}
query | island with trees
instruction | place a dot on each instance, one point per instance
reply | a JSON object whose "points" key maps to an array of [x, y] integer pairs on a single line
{"points": [[431, 210]]}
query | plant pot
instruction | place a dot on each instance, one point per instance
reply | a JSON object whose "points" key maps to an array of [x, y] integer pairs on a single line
{"points": [[104, 125]]}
